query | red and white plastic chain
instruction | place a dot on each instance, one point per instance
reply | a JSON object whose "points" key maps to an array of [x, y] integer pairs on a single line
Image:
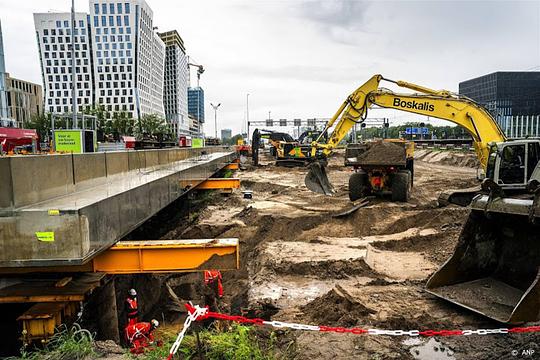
{"points": [[198, 313], [194, 313]]}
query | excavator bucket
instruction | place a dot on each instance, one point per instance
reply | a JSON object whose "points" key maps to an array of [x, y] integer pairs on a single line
{"points": [[495, 268], [316, 179]]}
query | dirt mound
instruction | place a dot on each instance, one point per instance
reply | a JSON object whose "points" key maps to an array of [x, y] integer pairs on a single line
{"points": [[336, 308], [448, 157], [260, 187], [382, 153], [444, 243], [333, 269]]}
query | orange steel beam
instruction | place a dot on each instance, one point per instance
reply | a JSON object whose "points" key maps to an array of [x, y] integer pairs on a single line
{"points": [[212, 184], [132, 257], [148, 256], [233, 166]]}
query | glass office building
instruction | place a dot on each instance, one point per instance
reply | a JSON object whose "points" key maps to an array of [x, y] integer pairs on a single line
{"points": [[506, 93], [196, 103]]}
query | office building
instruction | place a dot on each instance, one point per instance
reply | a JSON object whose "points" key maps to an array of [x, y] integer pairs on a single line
{"points": [[119, 58], [196, 103], [506, 93], [24, 100], [53, 33], [226, 134], [128, 57], [175, 82], [5, 118]]}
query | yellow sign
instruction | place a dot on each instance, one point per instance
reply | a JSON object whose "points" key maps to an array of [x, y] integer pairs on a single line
{"points": [[68, 141], [54, 212], [47, 236]]}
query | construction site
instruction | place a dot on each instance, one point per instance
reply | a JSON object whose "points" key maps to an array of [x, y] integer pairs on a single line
{"points": [[380, 249]]}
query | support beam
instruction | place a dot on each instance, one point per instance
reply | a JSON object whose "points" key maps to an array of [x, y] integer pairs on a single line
{"points": [[146, 256], [133, 257], [233, 166], [212, 184]]}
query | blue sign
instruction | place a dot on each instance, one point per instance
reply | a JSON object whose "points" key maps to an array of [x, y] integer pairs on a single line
{"points": [[416, 131]]}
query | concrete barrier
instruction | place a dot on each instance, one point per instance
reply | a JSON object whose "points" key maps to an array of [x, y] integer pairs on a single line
{"points": [[26, 180], [85, 203]]}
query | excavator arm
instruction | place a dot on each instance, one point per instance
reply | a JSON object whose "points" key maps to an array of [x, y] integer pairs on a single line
{"points": [[440, 104]]}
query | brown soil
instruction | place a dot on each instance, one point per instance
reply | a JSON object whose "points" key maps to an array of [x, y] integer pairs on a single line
{"points": [[326, 280], [382, 153]]}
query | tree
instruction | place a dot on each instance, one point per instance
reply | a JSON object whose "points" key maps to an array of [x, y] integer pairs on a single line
{"points": [[42, 124], [232, 140], [152, 126]]}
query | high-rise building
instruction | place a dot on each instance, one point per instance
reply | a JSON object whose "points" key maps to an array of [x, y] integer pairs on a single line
{"points": [[506, 93], [119, 58], [176, 82], [24, 99], [4, 110], [196, 103], [128, 57], [53, 33]]}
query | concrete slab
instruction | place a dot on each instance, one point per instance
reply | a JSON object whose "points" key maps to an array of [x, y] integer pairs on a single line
{"points": [[72, 228]]}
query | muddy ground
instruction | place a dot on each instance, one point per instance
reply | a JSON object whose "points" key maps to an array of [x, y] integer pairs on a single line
{"points": [[300, 264]]}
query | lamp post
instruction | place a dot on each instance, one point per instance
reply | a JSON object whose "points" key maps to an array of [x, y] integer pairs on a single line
{"points": [[247, 116], [215, 107], [73, 83]]}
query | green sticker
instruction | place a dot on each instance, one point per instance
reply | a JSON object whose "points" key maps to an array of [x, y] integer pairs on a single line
{"points": [[45, 236]]}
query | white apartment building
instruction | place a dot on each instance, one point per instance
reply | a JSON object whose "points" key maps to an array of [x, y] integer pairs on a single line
{"points": [[128, 55], [53, 32], [120, 58], [176, 82]]}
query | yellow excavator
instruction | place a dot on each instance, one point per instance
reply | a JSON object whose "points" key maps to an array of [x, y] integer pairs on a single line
{"points": [[495, 268]]}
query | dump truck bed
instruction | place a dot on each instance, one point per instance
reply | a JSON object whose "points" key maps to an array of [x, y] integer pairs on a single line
{"points": [[378, 153]]}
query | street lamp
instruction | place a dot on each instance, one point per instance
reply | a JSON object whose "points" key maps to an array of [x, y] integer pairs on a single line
{"points": [[247, 117], [215, 107]]}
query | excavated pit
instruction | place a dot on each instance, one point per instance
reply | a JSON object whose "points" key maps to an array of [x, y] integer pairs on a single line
{"points": [[368, 269]]}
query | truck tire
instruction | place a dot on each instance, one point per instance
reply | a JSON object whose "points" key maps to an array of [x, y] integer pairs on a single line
{"points": [[401, 186], [358, 185]]}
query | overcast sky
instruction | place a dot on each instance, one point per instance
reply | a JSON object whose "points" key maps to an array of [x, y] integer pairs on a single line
{"points": [[300, 59]]}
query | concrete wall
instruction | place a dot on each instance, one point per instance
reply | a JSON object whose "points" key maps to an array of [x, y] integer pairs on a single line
{"points": [[89, 227], [25, 180]]}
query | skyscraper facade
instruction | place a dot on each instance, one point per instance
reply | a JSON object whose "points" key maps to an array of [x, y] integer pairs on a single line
{"points": [[176, 82], [119, 58], [53, 32], [196, 103], [128, 57], [506, 93], [4, 110]]}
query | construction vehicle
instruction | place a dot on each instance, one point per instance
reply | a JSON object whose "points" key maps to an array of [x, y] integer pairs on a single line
{"points": [[286, 150], [495, 268], [381, 166]]}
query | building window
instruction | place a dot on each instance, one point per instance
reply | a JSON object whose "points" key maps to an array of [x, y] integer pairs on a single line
{"points": [[126, 20], [81, 23], [118, 20], [111, 8], [103, 20], [128, 31], [126, 7], [96, 22], [119, 8], [111, 20], [45, 32], [58, 23], [66, 23], [96, 8], [103, 8]]}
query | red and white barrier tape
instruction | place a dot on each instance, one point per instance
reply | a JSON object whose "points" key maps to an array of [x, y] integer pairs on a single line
{"points": [[198, 313]]}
